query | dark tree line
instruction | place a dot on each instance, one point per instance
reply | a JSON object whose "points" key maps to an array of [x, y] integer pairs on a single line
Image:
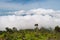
{"points": [[14, 29]]}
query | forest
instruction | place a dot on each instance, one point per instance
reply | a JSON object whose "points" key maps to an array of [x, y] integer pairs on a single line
{"points": [[31, 34]]}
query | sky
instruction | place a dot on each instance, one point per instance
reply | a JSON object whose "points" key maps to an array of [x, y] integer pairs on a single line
{"points": [[24, 14], [13, 5]]}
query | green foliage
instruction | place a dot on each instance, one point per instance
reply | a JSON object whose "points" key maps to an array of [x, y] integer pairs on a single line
{"points": [[30, 34], [9, 30], [57, 29]]}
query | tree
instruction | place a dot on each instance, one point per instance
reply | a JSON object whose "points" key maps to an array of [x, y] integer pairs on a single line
{"points": [[9, 30], [36, 29], [14, 29], [57, 29]]}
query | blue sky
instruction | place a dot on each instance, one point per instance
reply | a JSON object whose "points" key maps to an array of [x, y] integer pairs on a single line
{"points": [[29, 4], [14, 5]]}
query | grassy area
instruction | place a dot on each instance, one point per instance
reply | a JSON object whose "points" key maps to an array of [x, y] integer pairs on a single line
{"points": [[30, 34]]}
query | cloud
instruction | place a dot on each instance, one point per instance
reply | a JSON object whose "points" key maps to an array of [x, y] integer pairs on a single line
{"points": [[39, 11], [24, 19]]}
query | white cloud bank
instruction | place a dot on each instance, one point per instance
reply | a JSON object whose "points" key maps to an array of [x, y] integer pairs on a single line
{"points": [[44, 17]]}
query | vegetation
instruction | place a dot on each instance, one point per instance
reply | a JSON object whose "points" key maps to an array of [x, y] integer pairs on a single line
{"points": [[30, 34]]}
